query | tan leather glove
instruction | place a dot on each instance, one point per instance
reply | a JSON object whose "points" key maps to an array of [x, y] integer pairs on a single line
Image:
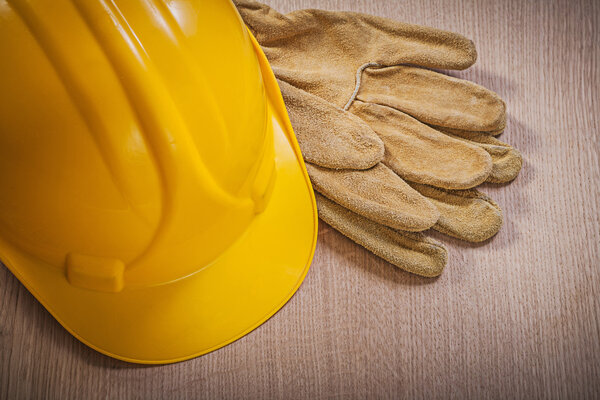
{"points": [[392, 146]]}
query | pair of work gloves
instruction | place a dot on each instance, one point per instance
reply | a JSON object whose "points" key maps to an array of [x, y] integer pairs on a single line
{"points": [[391, 146]]}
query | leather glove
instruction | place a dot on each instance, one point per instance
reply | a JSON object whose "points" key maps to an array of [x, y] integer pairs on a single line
{"points": [[392, 146]]}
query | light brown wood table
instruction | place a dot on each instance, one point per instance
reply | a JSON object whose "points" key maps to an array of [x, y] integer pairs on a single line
{"points": [[516, 317]]}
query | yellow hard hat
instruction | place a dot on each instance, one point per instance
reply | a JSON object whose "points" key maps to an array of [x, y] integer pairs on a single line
{"points": [[153, 198]]}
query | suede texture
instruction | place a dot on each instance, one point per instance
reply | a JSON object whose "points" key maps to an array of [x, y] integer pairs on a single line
{"points": [[412, 251], [392, 146]]}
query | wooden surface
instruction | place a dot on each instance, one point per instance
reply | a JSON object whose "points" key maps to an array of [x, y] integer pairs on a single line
{"points": [[517, 317]]}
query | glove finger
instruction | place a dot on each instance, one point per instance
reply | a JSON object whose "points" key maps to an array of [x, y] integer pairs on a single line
{"points": [[506, 160], [329, 136], [333, 36], [410, 251], [464, 214], [434, 98], [422, 154], [376, 193]]}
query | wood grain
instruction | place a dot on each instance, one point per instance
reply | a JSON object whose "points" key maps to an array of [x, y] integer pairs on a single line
{"points": [[516, 317]]}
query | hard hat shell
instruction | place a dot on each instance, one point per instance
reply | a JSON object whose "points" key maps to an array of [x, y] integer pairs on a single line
{"points": [[154, 197]]}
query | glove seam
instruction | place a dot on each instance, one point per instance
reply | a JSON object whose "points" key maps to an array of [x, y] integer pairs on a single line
{"points": [[359, 72]]}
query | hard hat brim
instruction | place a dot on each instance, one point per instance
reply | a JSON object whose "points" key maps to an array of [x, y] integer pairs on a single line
{"points": [[215, 306], [202, 312]]}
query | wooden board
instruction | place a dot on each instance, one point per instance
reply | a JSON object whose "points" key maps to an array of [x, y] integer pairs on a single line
{"points": [[516, 317]]}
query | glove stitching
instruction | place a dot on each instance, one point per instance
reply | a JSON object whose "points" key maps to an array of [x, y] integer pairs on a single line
{"points": [[358, 81]]}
